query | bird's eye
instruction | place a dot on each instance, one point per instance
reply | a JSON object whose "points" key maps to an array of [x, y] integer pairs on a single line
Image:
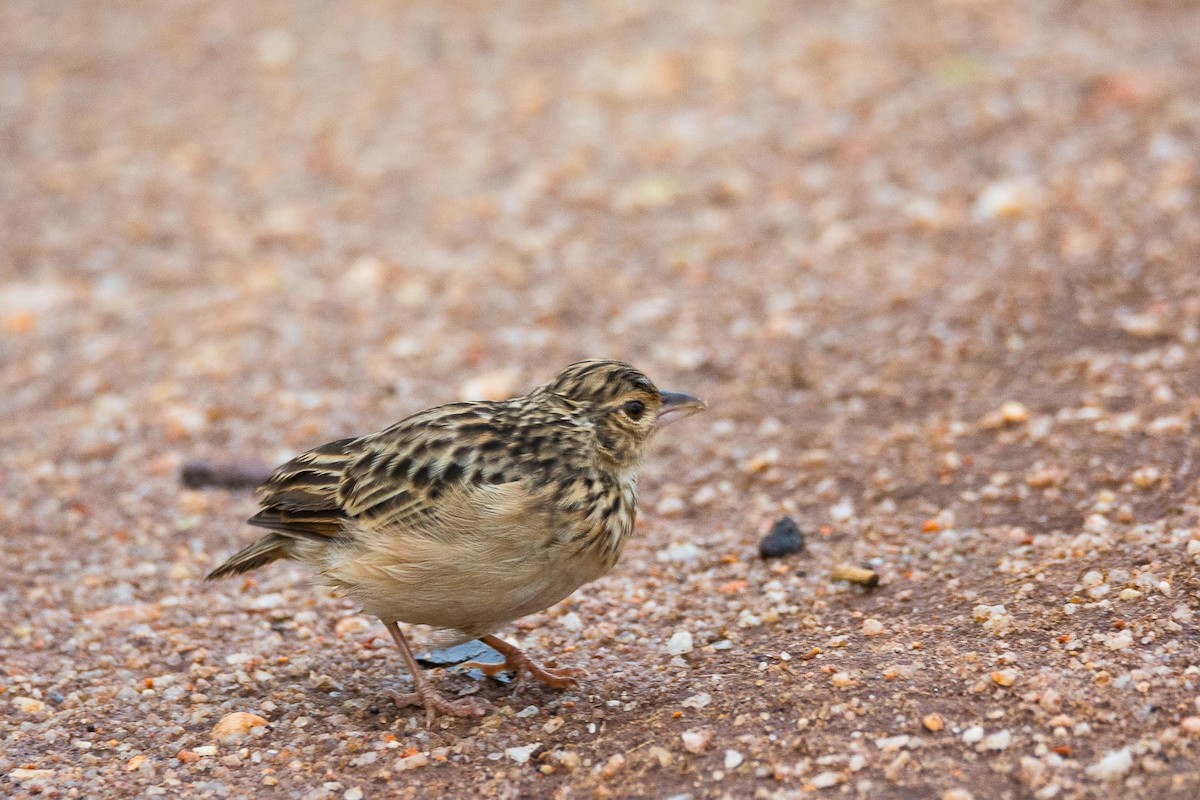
{"points": [[634, 409]]}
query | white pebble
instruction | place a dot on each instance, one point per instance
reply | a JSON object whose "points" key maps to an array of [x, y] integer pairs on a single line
{"points": [[823, 780], [1112, 766], [973, 735], [1119, 640], [733, 759], [698, 700], [1000, 740], [680, 643], [679, 553], [276, 48], [842, 511], [669, 507], [522, 754], [696, 740], [1003, 200]]}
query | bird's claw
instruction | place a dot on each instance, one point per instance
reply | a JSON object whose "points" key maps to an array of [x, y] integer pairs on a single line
{"points": [[521, 665], [434, 704]]}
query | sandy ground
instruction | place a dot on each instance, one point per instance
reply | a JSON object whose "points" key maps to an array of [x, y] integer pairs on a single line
{"points": [[935, 266]]}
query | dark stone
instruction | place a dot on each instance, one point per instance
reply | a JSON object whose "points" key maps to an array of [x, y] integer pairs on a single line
{"points": [[784, 539]]}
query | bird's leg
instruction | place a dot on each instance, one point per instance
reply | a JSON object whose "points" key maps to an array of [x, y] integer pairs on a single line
{"points": [[520, 664], [424, 694]]}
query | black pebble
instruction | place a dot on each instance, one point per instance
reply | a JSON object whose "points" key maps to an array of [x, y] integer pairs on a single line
{"points": [[784, 539]]}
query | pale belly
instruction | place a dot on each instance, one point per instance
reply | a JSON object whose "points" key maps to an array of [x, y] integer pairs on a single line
{"points": [[471, 584]]}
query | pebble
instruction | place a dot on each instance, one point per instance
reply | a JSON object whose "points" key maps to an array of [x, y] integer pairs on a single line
{"points": [[823, 780], [1146, 477], [522, 754], [842, 511], [998, 741], [1003, 200], [784, 539], [698, 701], [973, 735], [571, 621], [1140, 326], [265, 602], [1004, 677], [696, 740], [679, 553], [29, 705], [661, 755], [23, 775], [1013, 413], [615, 764], [1119, 640], [1113, 766], [497, 384], [352, 625], [957, 794], [760, 462], [680, 643], [733, 759], [670, 507], [994, 618], [353, 793], [933, 722], [276, 48], [1190, 725], [704, 496], [872, 627], [236, 725], [414, 761]]}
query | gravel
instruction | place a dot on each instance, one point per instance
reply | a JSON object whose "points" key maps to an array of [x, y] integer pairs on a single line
{"points": [[932, 265]]}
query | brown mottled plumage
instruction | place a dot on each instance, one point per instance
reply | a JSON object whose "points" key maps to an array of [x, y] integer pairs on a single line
{"points": [[470, 515]]}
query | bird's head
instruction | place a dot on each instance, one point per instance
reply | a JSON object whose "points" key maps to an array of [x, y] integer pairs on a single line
{"points": [[624, 406]]}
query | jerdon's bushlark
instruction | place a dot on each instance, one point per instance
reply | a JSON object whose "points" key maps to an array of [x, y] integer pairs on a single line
{"points": [[470, 515]]}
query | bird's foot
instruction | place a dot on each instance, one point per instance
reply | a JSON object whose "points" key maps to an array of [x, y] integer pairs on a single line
{"points": [[434, 703]]}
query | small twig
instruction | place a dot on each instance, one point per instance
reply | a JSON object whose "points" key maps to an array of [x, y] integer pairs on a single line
{"points": [[224, 475]]}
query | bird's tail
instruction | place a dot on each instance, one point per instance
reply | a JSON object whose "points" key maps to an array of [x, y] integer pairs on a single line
{"points": [[267, 549]]}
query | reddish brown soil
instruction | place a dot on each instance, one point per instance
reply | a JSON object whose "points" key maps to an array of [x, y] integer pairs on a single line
{"points": [[934, 265]]}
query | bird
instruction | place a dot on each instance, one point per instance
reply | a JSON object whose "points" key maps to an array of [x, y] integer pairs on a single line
{"points": [[467, 516]]}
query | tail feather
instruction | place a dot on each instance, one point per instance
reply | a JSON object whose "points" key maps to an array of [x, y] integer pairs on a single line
{"points": [[267, 549]]}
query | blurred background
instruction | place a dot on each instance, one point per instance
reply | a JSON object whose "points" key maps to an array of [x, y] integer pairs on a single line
{"points": [[935, 266], [300, 197]]}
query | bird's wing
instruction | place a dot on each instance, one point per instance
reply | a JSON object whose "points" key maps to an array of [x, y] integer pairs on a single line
{"points": [[438, 470], [432, 487]]}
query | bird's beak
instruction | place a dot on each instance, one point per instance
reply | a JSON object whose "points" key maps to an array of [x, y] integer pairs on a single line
{"points": [[676, 405]]}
